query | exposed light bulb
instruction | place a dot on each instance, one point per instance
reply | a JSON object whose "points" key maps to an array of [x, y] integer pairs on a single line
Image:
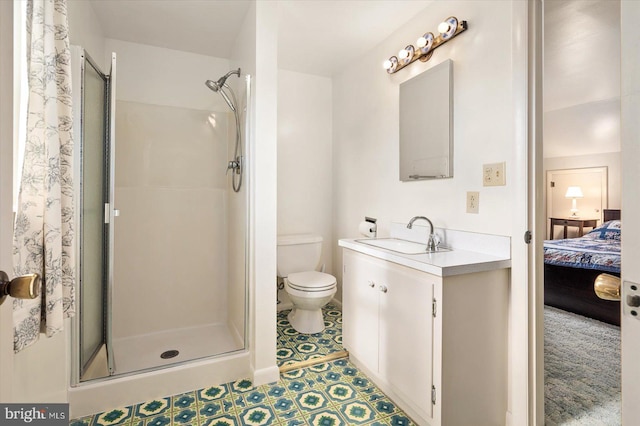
{"points": [[425, 42], [406, 54], [391, 64], [443, 27]]}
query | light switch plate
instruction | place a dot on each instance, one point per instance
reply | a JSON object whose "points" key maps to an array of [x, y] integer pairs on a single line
{"points": [[473, 202], [494, 174]]}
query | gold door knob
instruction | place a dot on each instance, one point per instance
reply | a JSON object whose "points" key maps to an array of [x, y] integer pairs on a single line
{"points": [[607, 287], [24, 287]]}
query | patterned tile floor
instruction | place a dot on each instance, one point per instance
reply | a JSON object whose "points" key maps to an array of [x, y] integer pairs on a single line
{"points": [[328, 394], [334, 393], [295, 347]]}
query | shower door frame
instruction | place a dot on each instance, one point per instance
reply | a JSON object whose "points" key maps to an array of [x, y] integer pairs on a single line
{"points": [[79, 364]]}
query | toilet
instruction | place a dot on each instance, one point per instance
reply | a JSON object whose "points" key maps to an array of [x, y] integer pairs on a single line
{"points": [[308, 289]]}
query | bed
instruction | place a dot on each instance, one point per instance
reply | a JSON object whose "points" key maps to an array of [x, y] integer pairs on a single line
{"points": [[572, 265]]}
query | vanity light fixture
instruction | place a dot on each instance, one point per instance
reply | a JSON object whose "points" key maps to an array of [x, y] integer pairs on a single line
{"points": [[425, 45]]}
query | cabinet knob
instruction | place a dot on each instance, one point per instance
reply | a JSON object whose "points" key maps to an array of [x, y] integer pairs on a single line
{"points": [[372, 284], [383, 288]]}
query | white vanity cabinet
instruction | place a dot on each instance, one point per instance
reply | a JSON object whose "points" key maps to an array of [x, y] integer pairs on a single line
{"points": [[386, 325], [436, 345]]}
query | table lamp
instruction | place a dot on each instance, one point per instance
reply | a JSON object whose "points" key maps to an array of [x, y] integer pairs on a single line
{"points": [[574, 192]]}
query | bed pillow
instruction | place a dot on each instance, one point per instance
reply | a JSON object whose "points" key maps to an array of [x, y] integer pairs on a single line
{"points": [[608, 231]]}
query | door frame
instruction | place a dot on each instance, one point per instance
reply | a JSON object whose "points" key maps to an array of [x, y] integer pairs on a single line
{"points": [[537, 213], [6, 193], [630, 105], [629, 133]]}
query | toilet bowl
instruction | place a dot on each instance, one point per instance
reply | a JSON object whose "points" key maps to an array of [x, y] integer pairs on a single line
{"points": [[309, 290]]}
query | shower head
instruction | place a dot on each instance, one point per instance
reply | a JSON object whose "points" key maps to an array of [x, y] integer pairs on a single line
{"points": [[217, 85], [220, 84]]}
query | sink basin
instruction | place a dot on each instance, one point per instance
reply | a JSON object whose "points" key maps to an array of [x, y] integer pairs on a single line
{"points": [[400, 246]]}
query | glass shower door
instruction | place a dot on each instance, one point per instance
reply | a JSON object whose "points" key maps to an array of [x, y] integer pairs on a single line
{"points": [[95, 218]]}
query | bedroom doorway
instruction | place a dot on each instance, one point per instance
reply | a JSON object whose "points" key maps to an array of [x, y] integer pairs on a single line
{"points": [[592, 184], [581, 148]]}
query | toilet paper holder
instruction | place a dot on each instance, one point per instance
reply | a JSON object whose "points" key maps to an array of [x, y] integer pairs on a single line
{"points": [[369, 228]]}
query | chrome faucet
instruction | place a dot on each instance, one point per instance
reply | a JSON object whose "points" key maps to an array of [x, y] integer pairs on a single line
{"points": [[431, 242]]}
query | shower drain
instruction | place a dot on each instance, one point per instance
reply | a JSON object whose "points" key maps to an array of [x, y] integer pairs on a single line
{"points": [[169, 354]]}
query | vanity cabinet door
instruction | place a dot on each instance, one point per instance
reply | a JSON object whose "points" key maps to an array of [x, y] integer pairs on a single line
{"points": [[360, 308], [406, 335]]}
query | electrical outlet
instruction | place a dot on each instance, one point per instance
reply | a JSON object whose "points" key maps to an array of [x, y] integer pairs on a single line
{"points": [[494, 174], [473, 202]]}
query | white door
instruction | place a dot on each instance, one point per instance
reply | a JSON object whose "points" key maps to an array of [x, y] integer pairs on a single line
{"points": [[630, 130], [6, 179]]}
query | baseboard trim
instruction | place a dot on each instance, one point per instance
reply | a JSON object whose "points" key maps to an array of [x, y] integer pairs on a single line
{"points": [[266, 375]]}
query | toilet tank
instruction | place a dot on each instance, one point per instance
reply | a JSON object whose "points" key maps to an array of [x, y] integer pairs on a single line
{"points": [[298, 253]]}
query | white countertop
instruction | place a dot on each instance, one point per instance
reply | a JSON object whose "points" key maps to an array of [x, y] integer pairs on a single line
{"points": [[443, 264]]}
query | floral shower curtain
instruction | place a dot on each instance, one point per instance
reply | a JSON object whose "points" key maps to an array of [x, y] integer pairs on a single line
{"points": [[43, 231]]}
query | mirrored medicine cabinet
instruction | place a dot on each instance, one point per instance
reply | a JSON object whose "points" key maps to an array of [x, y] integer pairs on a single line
{"points": [[426, 124]]}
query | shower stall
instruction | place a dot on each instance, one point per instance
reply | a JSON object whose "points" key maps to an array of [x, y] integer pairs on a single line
{"points": [[163, 223]]}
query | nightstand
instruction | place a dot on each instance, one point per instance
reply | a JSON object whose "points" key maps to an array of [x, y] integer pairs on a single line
{"points": [[568, 221]]}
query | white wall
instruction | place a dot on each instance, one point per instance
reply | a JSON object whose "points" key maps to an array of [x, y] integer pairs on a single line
{"points": [[255, 52], [85, 31], [365, 122], [581, 77], [263, 215], [305, 169], [583, 129]]}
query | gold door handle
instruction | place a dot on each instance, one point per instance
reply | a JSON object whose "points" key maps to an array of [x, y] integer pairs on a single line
{"points": [[607, 287], [24, 287]]}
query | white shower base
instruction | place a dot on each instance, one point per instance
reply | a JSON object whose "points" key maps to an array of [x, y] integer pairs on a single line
{"points": [[143, 352]]}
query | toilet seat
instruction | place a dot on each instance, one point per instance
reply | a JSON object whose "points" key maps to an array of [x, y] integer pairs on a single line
{"points": [[311, 281]]}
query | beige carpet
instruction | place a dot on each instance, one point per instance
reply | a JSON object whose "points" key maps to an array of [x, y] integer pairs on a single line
{"points": [[582, 370]]}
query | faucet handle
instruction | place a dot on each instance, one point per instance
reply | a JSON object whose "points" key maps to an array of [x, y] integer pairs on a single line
{"points": [[433, 242]]}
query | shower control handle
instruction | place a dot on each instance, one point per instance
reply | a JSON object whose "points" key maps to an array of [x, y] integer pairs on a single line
{"points": [[372, 284], [233, 165]]}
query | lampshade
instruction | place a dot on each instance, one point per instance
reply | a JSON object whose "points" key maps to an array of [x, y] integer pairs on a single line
{"points": [[574, 192]]}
